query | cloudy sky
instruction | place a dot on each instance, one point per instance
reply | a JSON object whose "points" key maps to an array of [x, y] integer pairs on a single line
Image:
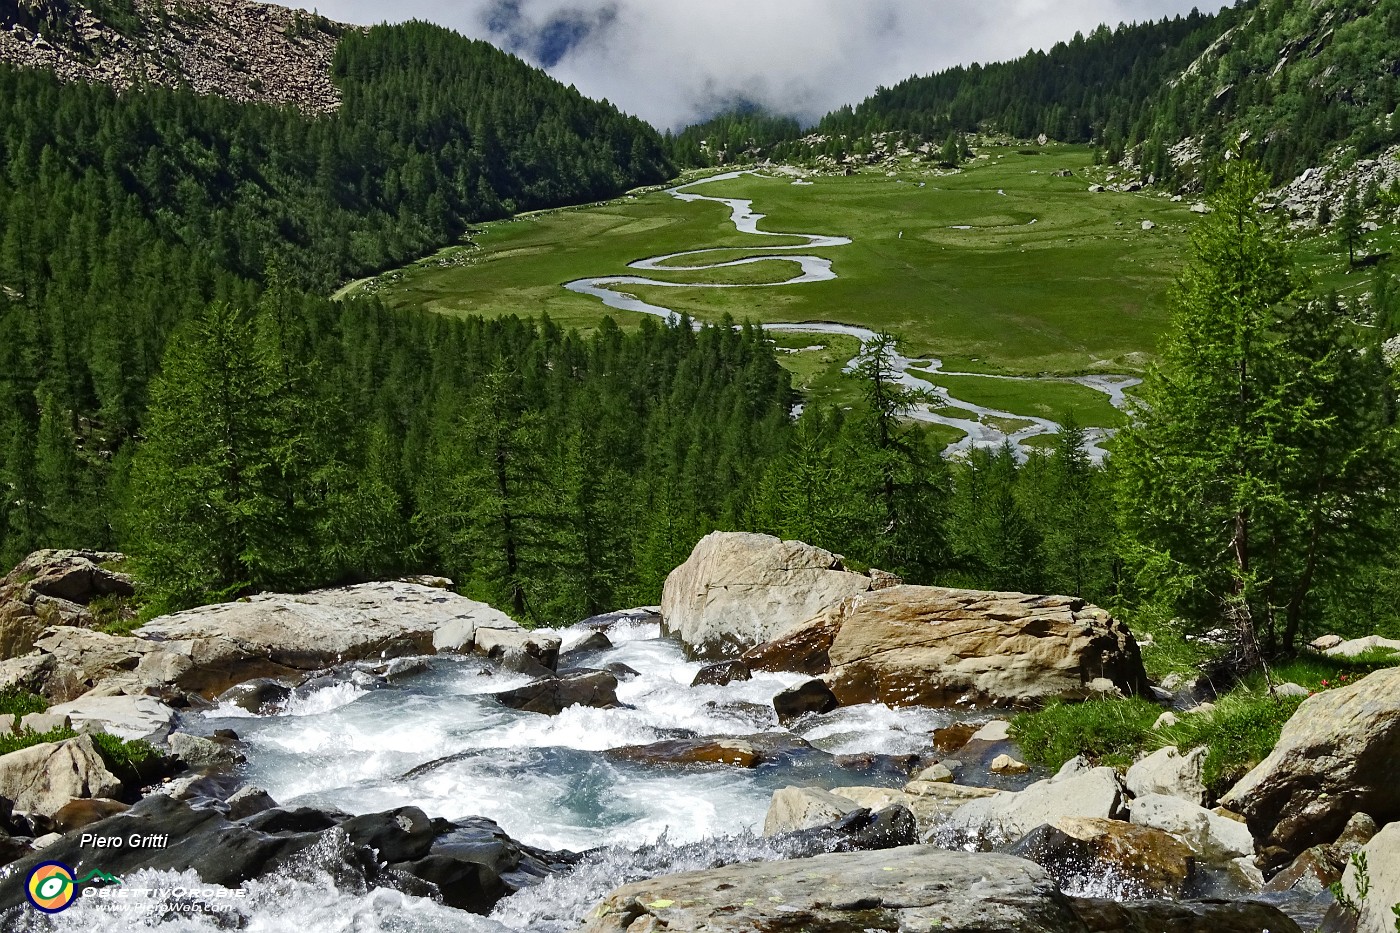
{"points": [[677, 61]]}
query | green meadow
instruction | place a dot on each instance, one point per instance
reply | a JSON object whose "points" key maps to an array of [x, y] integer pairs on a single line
{"points": [[1003, 267]]}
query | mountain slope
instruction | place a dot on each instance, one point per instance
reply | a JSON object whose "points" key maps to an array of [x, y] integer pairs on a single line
{"points": [[124, 214], [236, 49]]}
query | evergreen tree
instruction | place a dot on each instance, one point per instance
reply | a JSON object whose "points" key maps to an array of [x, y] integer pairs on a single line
{"points": [[1242, 467], [1349, 221], [213, 513]]}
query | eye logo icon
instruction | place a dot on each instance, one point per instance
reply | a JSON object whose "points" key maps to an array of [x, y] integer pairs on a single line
{"points": [[51, 887]]}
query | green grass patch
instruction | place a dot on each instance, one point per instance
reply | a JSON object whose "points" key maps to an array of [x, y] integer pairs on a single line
{"points": [[1108, 732], [1239, 733], [135, 763], [16, 741], [15, 701], [1037, 399]]}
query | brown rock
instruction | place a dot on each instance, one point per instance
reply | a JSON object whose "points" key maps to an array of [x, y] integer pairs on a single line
{"points": [[51, 588], [79, 813], [1087, 846], [811, 697], [801, 649], [747, 752], [916, 645], [552, 695], [43, 778]]}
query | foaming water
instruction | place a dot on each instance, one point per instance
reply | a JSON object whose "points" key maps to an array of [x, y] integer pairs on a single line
{"points": [[442, 743]]}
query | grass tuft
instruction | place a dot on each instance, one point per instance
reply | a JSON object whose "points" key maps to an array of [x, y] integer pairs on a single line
{"points": [[1108, 732]]}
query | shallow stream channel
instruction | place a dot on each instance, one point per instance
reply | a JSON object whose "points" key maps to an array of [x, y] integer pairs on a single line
{"points": [[984, 432], [434, 739]]}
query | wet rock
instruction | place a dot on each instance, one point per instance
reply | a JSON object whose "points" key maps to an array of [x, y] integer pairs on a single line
{"points": [[746, 752], [512, 659], [1076, 791], [621, 671], [591, 644], [1335, 757], [801, 650], [398, 835], [738, 590], [1167, 771], [1310, 873], [917, 645], [552, 695], [1005, 764], [260, 696], [950, 739], [895, 889], [1154, 861], [230, 852], [1215, 916], [198, 752], [934, 774], [722, 674], [1216, 839], [794, 808], [249, 800], [814, 696], [43, 778]]}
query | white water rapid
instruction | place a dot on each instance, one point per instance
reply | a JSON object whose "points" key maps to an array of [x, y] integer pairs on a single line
{"points": [[814, 269], [438, 742]]}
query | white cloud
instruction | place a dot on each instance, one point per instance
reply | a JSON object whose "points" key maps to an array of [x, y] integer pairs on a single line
{"points": [[671, 62]]}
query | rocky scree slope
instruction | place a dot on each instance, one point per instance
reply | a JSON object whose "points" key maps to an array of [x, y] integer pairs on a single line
{"points": [[237, 49]]}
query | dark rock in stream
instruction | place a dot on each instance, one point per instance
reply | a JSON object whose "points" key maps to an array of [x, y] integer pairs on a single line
{"points": [[592, 644], [473, 864], [257, 696], [722, 674], [814, 696], [553, 695], [750, 751]]}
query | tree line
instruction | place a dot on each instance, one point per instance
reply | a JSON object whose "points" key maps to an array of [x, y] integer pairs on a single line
{"points": [[122, 216]]}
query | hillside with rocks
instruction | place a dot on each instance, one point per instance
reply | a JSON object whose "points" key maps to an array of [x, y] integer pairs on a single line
{"points": [[237, 49]]}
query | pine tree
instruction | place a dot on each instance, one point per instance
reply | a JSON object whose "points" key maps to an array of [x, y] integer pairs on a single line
{"points": [[1349, 220]]}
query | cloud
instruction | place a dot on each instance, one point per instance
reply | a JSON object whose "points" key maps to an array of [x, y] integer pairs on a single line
{"points": [[674, 62]]}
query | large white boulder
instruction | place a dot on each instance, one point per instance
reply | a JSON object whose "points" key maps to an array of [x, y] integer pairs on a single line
{"points": [[1077, 790], [44, 778], [737, 590]]}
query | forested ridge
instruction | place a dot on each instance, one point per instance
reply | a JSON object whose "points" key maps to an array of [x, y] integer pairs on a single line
{"points": [[125, 216], [1294, 79]]}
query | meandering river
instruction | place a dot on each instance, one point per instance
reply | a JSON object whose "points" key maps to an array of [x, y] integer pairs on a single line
{"points": [[984, 432]]}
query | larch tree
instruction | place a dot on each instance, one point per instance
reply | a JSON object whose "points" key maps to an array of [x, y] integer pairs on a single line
{"points": [[1259, 447]]}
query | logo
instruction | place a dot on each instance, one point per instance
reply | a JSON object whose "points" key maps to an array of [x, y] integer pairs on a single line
{"points": [[52, 887]]}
